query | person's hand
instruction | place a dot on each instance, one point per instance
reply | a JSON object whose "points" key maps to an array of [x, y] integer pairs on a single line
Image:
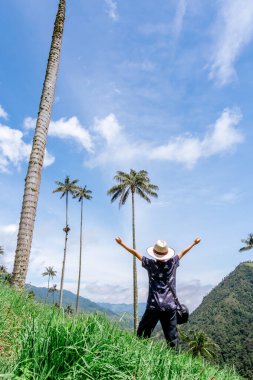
{"points": [[197, 240], [118, 240]]}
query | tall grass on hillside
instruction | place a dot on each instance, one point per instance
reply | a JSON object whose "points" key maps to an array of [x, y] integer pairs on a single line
{"points": [[40, 342]]}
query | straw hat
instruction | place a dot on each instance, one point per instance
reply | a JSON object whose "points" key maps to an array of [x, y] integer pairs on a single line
{"points": [[161, 251]]}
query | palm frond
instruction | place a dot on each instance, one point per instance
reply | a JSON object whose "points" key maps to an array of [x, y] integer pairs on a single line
{"points": [[146, 189], [59, 189], [246, 248], [153, 187], [248, 243], [124, 197], [116, 195], [122, 177], [59, 183], [115, 189], [143, 173], [142, 194]]}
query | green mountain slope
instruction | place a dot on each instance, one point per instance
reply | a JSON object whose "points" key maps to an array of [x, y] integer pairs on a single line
{"points": [[226, 315]]}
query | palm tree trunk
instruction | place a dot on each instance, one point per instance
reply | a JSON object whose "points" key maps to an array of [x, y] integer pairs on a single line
{"points": [[135, 289], [80, 258], [33, 177], [47, 287], [65, 251]]}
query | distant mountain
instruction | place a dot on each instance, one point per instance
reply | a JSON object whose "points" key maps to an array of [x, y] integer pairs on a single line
{"points": [[226, 315], [69, 298], [121, 308]]}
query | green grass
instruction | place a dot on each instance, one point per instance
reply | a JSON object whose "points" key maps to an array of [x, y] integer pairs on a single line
{"points": [[39, 342], [249, 264]]}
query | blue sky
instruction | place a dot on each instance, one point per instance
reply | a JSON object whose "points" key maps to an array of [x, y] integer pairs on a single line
{"points": [[164, 86]]}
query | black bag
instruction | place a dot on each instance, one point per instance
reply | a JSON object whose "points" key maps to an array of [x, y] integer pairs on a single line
{"points": [[182, 310], [182, 314]]}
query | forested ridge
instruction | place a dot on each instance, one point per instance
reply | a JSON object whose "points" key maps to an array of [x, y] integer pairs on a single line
{"points": [[226, 316]]}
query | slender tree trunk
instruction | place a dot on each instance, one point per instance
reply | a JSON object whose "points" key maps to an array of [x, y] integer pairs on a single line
{"points": [[80, 258], [47, 287], [135, 289], [65, 251], [33, 177]]}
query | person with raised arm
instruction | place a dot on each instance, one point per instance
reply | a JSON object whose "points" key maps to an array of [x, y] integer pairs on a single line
{"points": [[162, 278]]}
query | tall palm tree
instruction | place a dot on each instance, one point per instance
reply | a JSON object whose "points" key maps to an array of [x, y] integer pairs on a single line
{"points": [[51, 273], [1, 250], [52, 290], [3, 271], [65, 188], [81, 193], [33, 177], [248, 243], [133, 183], [69, 309]]}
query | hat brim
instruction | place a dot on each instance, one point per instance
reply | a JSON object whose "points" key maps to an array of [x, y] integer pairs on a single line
{"points": [[156, 256]]}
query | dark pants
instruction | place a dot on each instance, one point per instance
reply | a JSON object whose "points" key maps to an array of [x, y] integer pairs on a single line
{"points": [[168, 321]]}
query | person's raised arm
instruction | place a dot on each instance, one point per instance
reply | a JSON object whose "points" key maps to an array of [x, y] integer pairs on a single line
{"points": [[187, 249], [131, 250]]}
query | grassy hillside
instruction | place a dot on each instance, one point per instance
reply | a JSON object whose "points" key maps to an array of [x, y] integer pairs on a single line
{"points": [[40, 342], [226, 315]]}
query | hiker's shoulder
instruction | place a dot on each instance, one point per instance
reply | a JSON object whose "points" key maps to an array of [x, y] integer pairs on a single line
{"points": [[146, 262]]}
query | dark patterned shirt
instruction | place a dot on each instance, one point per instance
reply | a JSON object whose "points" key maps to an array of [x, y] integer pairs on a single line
{"points": [[161, 274]]}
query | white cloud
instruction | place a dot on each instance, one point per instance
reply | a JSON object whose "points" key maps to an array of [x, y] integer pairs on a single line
{"points": [[192, 293], [49, 159], [107, 141], [182, 149], [233, 31], [112, 9], [9, 229], [29, 123], [180, 13], [13, 150], [222, 137], [187, 149], [8, 234], [108, 128], [228, 198], [65, 129], [3, 113], [71, 128], [112, 143]]}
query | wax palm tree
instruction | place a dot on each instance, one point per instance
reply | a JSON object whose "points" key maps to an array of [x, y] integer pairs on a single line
{"points": [[1, 250], [248, 243], [81, 193], [52, 290], [51, 273], [133, 183], [69, 309], [199, 344], [33, 177], [3, 271], [65, 188]]}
